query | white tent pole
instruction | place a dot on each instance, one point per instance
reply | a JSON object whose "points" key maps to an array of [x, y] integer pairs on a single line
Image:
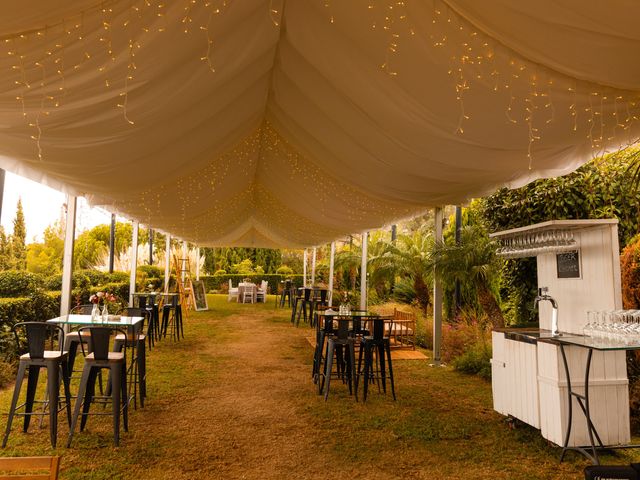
{"points": [[304, 268], [437, 293], [134, 262], [313, 266], [67, 260], [363, 272], [197, 263], [167, 263], [331, 261], [184, 263]]}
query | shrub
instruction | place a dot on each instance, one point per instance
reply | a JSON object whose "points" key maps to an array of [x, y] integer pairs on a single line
{"points": [[53, 282], [404, 291], [116, 277], [475, 360], [151, 270], [630, 273], [19, 283], [284, 270], [94, 277]]}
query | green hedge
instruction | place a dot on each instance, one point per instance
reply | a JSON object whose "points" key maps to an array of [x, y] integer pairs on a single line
{"points": [[19, 283], [220, 283], [39, 306]]}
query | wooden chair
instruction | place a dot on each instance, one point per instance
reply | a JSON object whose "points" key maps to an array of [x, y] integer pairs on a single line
{"points": [[403, 332], [34, 468]]}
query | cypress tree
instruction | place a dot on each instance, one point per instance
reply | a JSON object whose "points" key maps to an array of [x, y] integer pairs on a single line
{"points": [[19, 240]]}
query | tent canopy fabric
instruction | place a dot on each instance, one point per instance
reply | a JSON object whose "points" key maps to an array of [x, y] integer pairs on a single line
{"points": [[293, 122]]}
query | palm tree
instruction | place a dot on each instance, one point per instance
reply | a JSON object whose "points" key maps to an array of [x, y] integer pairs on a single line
{"points": [[411, 258], [348, 260], [473, 263]]}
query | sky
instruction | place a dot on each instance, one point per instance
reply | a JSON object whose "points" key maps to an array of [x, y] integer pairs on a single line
{"points": [[42, 207]]}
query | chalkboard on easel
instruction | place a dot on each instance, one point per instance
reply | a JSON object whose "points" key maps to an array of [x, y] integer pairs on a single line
{"points": [[568, 264], [200, 295]]}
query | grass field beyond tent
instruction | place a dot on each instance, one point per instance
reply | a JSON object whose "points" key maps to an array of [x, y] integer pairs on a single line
{"points": [[235, 400]]}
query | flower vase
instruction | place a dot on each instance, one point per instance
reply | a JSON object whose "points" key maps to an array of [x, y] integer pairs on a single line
{"points": [[105, 313], [95, 313]]}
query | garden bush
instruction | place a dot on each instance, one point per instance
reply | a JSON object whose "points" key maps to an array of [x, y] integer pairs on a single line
{"points": [[630, 273], [475, 360], [152, 271], [19, 283]]}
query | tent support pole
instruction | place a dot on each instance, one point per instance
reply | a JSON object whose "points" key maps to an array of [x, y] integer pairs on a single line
{"points": [[363, 272], [167, 263], [331, 262], [134, 262], [304, 268], [67, 259], [437, 293]]}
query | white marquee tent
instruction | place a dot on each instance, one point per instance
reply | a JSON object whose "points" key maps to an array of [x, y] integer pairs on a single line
{"points": [[292, 122]]}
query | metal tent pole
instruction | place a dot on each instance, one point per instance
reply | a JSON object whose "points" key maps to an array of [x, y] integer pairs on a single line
{"points": [[134, 262], [331, 262], [167, 263], [197, 263], [112, 242], [67, 259], [363, 272], [150, 246], [313, 267], [304, 268], [437, 294]]}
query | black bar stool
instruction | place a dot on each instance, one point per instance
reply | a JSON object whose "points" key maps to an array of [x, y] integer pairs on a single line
{"points": [[303, 302], [294, 305], [342, 346], [37, 357], [135, 341], [148, 305], [101, 358], [286, 293], [374, 348], [172, 318], [319, 299], [73, 339]]}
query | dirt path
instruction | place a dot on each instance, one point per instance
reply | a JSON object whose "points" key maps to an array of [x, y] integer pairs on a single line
{"points": [[244, 425]]}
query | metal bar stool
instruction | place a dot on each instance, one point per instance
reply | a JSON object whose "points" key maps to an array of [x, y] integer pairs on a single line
{"points": [[374, 348], [135, 341], [101, 358], [37, 357], [342, 347], [172, 319]]}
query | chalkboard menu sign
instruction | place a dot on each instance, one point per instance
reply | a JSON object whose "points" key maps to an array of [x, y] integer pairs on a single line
{"points": [[200, 295], [568, 264]]}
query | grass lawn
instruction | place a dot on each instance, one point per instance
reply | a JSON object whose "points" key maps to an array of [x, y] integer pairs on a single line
{"points": [[235, 400]]}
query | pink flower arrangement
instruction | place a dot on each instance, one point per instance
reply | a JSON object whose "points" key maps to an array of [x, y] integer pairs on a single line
{"points": [[105, 297]]}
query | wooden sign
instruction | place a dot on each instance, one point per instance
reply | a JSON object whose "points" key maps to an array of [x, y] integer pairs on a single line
{"points": [[200, 295], [568, 264]]}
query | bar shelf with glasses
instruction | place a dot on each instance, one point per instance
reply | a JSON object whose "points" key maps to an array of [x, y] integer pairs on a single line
{"points": [[553, 236], [578, 262]]}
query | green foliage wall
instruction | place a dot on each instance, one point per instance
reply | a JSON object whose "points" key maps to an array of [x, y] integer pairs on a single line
{"points": [[602, 188]]}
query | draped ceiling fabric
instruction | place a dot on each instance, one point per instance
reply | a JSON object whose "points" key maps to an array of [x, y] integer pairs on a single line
{"points": [[293, 122]]}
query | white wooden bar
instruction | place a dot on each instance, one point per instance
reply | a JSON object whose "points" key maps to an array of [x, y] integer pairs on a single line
{"points": [[529, 380]]}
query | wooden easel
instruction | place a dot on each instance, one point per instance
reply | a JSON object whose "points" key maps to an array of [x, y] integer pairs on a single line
{"points": [[185, 287]]}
